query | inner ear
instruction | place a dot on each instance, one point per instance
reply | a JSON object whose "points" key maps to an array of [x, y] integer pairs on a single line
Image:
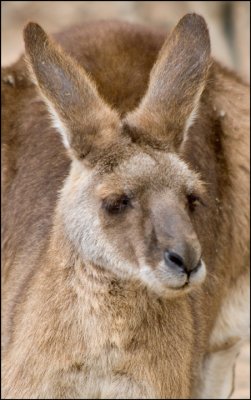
{"points": [[176, 83], [79, 113]]}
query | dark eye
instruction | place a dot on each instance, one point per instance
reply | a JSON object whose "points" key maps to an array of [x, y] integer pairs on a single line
{"points": [[116, 205], [193, 201]]}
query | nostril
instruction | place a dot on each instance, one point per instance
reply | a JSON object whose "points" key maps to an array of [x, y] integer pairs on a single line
{"points": [[197, 266], [174, 260]]}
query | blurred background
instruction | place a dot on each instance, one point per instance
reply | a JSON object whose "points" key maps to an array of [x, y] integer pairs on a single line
{"points": [[228, 21], [229, 26]]}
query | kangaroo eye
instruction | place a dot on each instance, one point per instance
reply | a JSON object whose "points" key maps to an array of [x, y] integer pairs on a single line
{"points": [[193, 201], [116, 205]]}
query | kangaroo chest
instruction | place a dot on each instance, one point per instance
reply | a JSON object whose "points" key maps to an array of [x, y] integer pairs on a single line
{"points": [[137, 353]]}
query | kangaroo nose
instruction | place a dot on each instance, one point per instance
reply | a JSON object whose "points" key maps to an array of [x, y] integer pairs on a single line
{"points": [[177, 262]]}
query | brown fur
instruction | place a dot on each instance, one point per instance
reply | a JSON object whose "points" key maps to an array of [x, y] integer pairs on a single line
{"points": [[75, 327]]}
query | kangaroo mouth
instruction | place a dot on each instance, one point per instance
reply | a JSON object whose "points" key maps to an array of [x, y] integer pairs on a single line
{"points": [[184, 286], [167, 282]]}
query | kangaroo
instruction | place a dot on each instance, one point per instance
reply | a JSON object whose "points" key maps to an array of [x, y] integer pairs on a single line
{"points": [[125, 215]]}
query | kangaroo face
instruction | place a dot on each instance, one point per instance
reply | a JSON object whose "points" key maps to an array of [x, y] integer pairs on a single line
{"points": [[129, 200], [136, 220]]}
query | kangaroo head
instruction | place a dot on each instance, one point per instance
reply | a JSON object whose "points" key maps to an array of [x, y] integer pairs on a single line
{"points": [[129, 201]]}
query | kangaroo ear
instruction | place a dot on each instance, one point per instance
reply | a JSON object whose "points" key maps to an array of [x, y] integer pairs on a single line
{"points": [[78, 111], [176, 83]]}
